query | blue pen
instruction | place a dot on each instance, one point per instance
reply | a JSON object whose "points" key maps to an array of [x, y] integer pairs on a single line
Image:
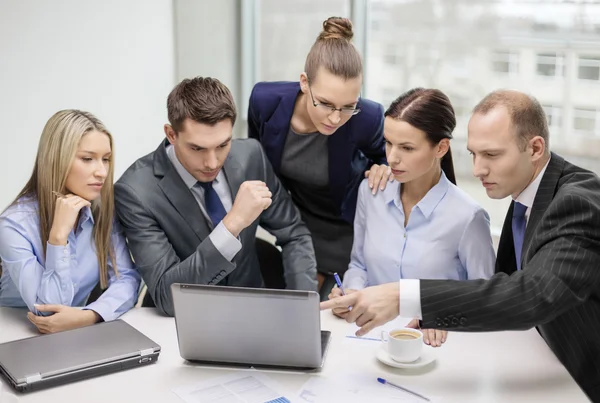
{"points": [[339, 283], [385, 382]]}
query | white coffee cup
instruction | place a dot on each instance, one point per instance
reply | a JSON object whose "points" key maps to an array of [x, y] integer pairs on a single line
{"points": [[403, 344]]}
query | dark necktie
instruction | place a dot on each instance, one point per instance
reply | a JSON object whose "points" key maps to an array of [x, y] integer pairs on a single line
{"points": [[519, 223], [214, 207]]}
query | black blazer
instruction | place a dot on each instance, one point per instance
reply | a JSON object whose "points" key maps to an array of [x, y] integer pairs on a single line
{"points": [[558, 288]]}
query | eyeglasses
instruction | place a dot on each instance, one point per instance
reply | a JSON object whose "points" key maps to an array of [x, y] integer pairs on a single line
{"points": [[330, 109]]}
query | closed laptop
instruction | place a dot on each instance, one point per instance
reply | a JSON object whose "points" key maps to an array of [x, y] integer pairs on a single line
{"points": [[53, 359]]}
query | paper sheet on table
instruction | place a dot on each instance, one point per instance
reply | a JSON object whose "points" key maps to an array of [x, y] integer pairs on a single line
{"points": [[356, 388], [239, 387], [375, 334]]}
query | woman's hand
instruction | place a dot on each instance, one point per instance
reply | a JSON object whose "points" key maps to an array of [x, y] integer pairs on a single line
{"points": [[64, 318], [336, 293], [66, 212], [378, 176], [432, 337]]}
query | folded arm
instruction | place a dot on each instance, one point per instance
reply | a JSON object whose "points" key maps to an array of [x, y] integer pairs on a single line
{"points": [[37, 283]]}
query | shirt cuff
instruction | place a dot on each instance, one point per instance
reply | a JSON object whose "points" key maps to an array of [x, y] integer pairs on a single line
{"points": [[225, 242], [106, 312], [410, 299], [58, 257]]}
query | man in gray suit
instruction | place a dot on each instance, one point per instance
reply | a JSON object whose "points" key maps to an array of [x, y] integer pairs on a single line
{"points": [[548, 265], [191, 208]]}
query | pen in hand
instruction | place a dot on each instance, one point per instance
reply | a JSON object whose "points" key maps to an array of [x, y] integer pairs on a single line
{"points": [[385, 382], [339, 283]]}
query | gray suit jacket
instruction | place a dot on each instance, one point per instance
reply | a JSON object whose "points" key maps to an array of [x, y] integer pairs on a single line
{"points": [[558, 288], [168, 234]]}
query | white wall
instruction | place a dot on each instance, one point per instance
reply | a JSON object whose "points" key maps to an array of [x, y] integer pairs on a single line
{"points": [[113, 58]]}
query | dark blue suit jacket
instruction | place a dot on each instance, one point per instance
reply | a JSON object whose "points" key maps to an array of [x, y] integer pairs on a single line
{"points": [[353, 148]]}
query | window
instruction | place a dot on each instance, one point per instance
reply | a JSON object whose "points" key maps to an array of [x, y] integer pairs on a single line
{"points": [[461, 104], [427, 60], [459, 67], [468, 48], [550, 64], [554, 115], [589, 68], [394, 55], [585, 121], [505, 62], [388, 96], [465, 48], [287, 30]]}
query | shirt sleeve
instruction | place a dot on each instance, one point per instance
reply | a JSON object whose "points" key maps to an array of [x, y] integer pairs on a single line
{"points": [[476, 249], [49, 282], [410, 299], [225, 242], [122, 292], [356, 277]]}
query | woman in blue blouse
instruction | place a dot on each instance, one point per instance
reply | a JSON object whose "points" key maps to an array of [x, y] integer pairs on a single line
{"points": [[422, 226], [321, 137], [50, 235]]}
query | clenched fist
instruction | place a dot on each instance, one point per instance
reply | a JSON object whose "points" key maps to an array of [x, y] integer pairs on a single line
{"points": [[252, 198]]}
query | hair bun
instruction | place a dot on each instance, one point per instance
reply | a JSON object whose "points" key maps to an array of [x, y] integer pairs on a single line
{"points": [[337, 28]]}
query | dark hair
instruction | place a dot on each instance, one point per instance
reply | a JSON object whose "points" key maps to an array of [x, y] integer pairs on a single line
{"points": [[526, 114], [334, 50], [430, 111], [202, 99]]}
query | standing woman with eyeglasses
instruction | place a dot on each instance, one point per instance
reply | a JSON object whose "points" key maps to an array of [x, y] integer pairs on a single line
{"points": [[322, 138]]}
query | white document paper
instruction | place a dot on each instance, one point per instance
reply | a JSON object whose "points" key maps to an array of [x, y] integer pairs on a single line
{"points": [[238, 387], [375, 334], [356, 388]]}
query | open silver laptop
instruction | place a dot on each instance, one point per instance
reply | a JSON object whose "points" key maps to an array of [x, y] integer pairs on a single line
{"points": [[49, 360], [249, 326]]}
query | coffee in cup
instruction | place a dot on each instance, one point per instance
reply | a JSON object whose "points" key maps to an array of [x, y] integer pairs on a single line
{"points": [[403, 344], [403, 335]]}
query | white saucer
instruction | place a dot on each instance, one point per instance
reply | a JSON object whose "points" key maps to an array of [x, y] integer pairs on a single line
{"points": [[427, 357]]}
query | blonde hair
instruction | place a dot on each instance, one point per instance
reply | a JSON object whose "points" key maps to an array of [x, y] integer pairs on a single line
{"points": [[56, 152], [334, 51]]}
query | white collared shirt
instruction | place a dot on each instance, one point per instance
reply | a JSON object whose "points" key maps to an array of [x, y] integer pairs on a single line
{"points": [[223, 240], [410, 290], [527, 196]]}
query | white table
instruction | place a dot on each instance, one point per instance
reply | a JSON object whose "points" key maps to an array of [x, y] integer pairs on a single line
{"points": [[470, 367]]}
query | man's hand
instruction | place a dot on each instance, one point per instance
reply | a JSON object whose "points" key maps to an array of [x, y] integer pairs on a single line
{"points": [[371, 307], [253, 198], [64, 318], [337, 293], [433, 337], [378, 176]]}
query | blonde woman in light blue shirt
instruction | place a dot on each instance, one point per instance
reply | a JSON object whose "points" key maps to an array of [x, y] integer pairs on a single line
{"points": [[422, 226], [60, 238]]}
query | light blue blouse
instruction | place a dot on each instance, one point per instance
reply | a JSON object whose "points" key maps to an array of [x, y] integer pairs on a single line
{"points": [[67, 274], [447, 237]]}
